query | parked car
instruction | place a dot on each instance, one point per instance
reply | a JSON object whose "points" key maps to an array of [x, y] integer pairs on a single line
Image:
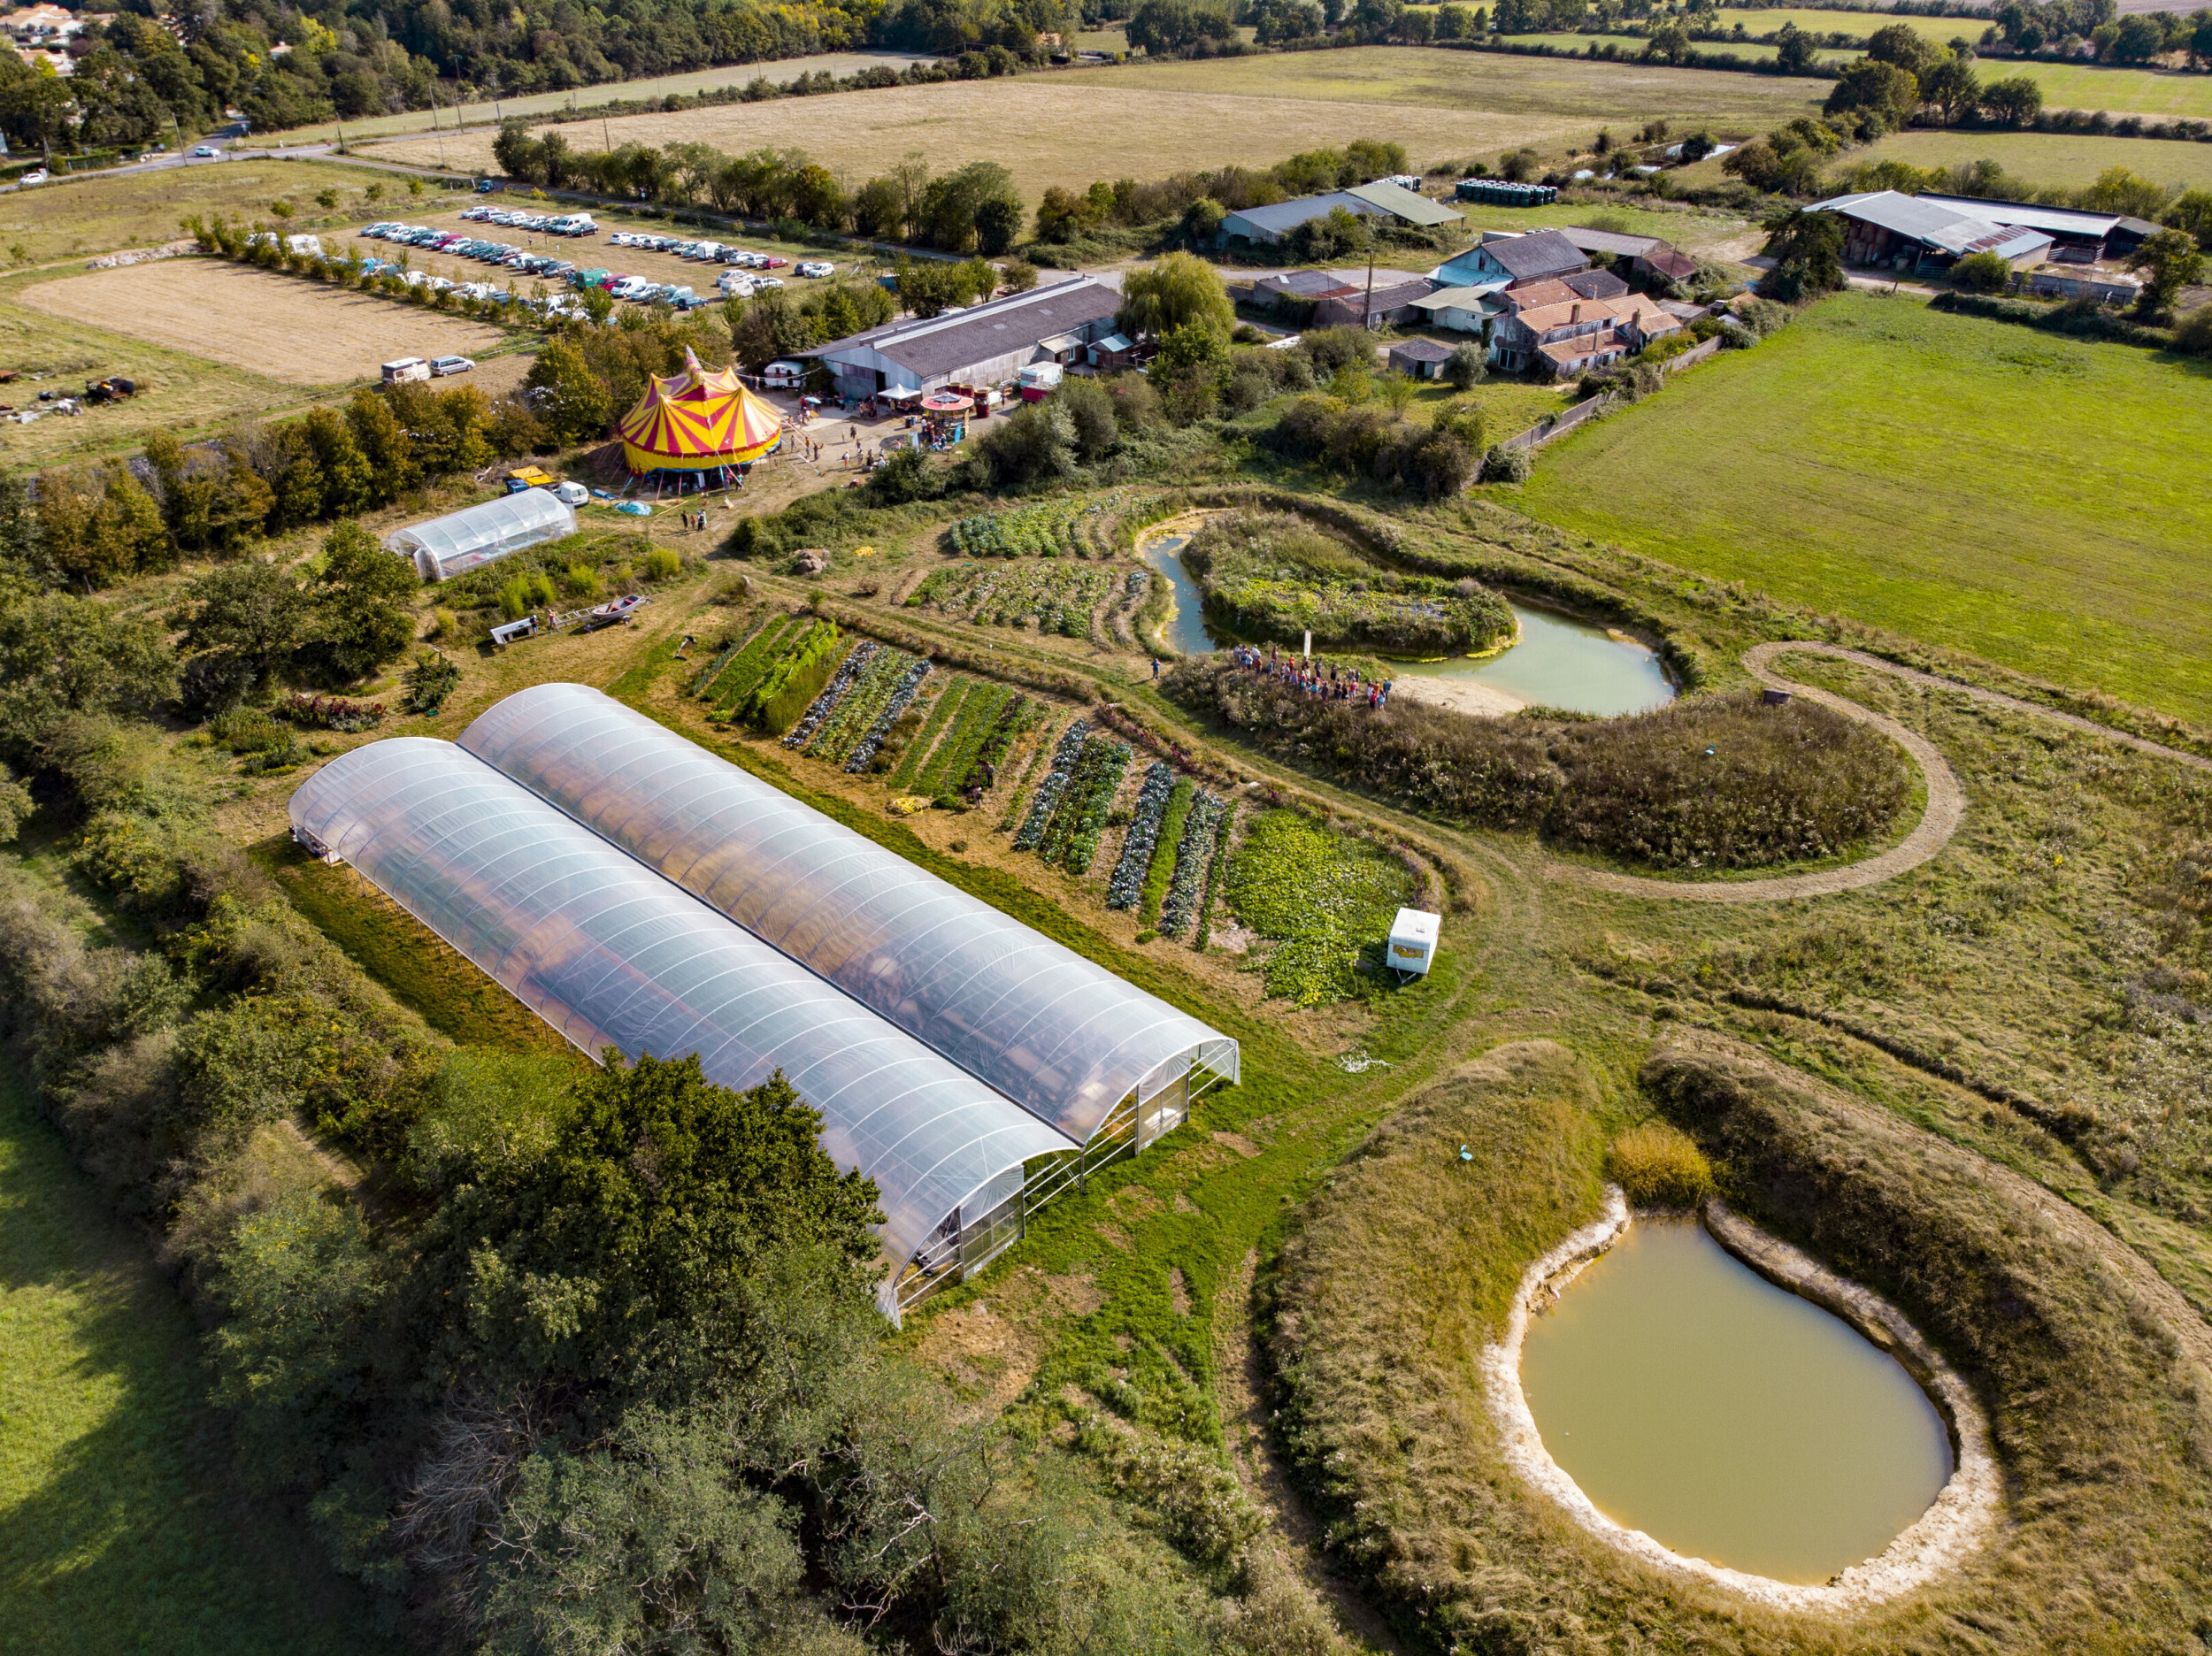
{"points": [[768, 261], [440, 366], [205, 151], [36, 175], [818, 267], [767, 281]]}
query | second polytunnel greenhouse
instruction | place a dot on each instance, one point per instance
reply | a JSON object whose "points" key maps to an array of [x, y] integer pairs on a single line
{"points": [[992, 1081], [468, 539]]}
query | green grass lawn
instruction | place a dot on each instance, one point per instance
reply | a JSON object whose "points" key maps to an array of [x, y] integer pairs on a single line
{"points": [[120, 1529], [2036, 501]]}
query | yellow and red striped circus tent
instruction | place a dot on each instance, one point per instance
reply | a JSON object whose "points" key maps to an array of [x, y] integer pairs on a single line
{"points": [[697, 421]]}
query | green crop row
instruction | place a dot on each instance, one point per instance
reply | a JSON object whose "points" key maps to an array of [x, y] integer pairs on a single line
{"points": [[956, 756], [790, 680], [1164, 848], [1071, 840], [946, 704], [872, 689], [746, 669]]}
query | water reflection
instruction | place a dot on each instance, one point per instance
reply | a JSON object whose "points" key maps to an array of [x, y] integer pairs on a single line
{"points": [[1559, 662]]}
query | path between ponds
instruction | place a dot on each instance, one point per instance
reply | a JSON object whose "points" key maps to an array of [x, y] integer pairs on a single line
{"points": [[1938, 820]]}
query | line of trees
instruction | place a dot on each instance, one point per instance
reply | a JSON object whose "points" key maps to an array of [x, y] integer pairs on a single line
{"points": [[139, 78]]}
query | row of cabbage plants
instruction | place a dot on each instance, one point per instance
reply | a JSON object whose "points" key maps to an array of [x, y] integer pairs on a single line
{"points": [[1126, 885], [1064, 756]]}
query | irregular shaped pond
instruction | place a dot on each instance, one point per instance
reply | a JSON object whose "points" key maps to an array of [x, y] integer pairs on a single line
{"points": [[1559, 662], [1724, 1417], [1563, 663]]}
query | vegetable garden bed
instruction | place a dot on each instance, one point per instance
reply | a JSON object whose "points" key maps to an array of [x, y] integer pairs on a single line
{"points": [[1324, 900], [1051, 597]]}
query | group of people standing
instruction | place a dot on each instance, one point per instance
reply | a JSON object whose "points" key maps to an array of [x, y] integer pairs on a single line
{"points": [[1320, 679]]}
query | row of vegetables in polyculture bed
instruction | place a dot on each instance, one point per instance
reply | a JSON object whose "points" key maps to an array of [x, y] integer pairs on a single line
{"points": [[848, 716], [1126, 885], [1054, 599], [732, 672], [781, 675], [1189, 885], [1046, 529], [1071, 839], [1064, 754], [966, 761]]}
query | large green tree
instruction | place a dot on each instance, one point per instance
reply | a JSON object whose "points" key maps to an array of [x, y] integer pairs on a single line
{"points": [[1178, 290], [362, 617], [250, 616]]}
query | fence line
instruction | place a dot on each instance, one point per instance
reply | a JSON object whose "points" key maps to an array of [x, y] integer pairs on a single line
{"points": [[1582, 413]]}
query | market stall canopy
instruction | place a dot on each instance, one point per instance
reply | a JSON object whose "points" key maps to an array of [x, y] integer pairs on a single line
{"points": [[946, 402], [697, 421]]}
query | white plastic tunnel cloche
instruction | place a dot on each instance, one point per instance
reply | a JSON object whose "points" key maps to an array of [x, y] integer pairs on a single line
{"points": [[462, 540]]}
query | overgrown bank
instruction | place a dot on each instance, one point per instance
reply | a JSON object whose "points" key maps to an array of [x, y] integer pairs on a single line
{"points": [[1394, 1278]]}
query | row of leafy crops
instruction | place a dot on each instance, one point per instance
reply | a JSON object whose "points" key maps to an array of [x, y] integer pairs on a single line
{"points": [[774, 690], [1327, 900], [1021, 789], [1071, 840], [822, 710], [1064, 758], [966, 762], [1048, 529], [746, 667], [1166, 843], [1126, 884], [883, 692], [713, 666], [1051, 598], [1194, 851], [941, 710]]}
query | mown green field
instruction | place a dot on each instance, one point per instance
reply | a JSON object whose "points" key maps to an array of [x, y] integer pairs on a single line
{"points": [[2036, 501], [2050, 159], [121, 1530]]}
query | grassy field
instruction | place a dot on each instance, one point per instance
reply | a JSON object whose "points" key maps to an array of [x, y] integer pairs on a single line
{"points": [[1750, 50], [2050, 159], [178, 391], [1146, 120], [128, 210], [2128, 91], [2031, 500], [120, 1530]]}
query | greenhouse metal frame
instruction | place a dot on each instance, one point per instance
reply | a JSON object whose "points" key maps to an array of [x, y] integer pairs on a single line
{"points": [[468, 539], [610, 953], [636, 891]]}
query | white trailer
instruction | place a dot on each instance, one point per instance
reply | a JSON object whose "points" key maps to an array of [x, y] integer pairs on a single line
{"points": [[1412, 947]]}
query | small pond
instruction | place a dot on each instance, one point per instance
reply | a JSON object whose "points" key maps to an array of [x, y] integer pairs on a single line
{"points": [[1727, 1418], [1559, 662]]}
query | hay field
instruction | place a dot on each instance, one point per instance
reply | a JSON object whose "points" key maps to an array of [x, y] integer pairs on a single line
{"points": [[137, 210], [1145, 121], [278, 325], [2030, 498], [177, 391]]}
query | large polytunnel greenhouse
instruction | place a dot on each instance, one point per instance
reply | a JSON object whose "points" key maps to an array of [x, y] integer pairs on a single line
{"points": [[637, 892], [462, 540]]}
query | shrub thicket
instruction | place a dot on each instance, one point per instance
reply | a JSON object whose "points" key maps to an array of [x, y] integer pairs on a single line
{"points": [[1659, 1165], [1715, 782]]}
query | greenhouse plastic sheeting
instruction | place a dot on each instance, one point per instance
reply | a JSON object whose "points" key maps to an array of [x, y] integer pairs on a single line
{"points": [[475, 535], [610, 954], [1058, 1034]]}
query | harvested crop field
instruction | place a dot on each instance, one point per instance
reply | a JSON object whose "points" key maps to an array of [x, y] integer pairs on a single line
{"points": [[1071, 128], [277, 326]]}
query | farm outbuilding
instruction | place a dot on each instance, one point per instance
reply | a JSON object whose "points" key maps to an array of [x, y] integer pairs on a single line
{"points": [[1419, 358], [638, 892], [985, 344], [465, 540]]}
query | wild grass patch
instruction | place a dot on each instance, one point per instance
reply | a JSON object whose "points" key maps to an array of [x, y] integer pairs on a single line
{"points": [[1325, 898]]}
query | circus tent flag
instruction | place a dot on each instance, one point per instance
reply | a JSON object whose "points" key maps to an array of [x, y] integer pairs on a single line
{"points": [[697, 421]]}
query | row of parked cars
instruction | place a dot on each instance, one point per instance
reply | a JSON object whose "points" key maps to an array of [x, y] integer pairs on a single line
{"points": [[579, 224], [715, 253]]}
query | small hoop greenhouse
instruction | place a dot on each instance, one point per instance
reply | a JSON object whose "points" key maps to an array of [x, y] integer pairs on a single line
{"points": [[465, 540]]}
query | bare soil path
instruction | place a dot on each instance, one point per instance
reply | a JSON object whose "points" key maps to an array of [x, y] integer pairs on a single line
{"points": [[1945, 805]]}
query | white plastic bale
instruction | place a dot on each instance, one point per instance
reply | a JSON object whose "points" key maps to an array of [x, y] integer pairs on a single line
{"points": [[1059, 1034], [611, 954]]}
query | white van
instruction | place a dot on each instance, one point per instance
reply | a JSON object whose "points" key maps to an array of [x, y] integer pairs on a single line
{"points": [[405, 369], [784, 376]]}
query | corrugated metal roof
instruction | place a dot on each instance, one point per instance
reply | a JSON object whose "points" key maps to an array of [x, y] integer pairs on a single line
{"points": [[2063, 221], [1937, 226], [941, 345], [1422, 350], [1281, 218], [1456, 298], [1402, 203], [1303, 284], [1610, 242]]}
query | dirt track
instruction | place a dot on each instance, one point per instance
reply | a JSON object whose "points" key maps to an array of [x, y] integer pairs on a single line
{"points": [[1939, 821], [283, 327]]}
